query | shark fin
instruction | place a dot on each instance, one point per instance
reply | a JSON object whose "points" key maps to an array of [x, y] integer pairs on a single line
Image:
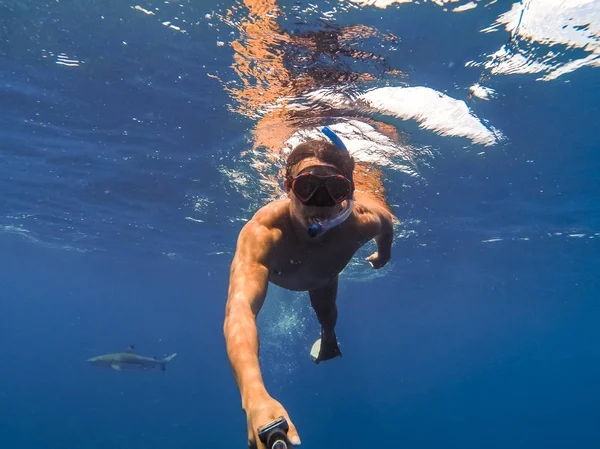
{"points": [[130, 349], [116, 366], [163, 362]]}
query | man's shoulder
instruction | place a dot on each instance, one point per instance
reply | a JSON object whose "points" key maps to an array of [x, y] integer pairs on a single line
{"points": [[365, 209], [272, 215], [367, 205], [269, 220], [261, 233], [368, 213]]}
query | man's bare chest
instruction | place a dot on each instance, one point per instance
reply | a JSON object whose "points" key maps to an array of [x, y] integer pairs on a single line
{"points": [[300, 266]]}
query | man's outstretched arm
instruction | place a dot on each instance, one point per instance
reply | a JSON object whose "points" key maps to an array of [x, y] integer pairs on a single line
{"points": [[248, 283], [247, 291]]}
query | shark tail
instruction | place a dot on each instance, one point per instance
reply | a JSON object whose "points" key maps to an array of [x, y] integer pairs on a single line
{"points": [[163, 362]]}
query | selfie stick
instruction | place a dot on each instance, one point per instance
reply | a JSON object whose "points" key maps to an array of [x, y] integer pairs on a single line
{"points": [[274, 434]]}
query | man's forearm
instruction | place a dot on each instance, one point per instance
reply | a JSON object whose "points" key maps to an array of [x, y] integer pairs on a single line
{"points": [[385, 238], [241, 337], [384, 244]]}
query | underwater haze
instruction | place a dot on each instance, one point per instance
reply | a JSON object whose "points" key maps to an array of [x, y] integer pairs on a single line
{"points": [[137, 138]]}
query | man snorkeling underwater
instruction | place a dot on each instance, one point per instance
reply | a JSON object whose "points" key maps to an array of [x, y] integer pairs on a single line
{"points": [[299, 243]]}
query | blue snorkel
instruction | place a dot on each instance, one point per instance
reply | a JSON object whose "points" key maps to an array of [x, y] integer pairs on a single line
{"points": [[320, 227], [334, 138]]}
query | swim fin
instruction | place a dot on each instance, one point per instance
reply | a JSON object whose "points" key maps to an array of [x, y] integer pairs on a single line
{"points": [[325, 349]]}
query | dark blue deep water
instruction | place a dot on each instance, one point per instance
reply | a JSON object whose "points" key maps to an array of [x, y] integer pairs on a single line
{"points": [[125, 177]]}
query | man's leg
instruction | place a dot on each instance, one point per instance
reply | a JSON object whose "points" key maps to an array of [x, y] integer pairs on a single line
{"points": [[323, 302]]}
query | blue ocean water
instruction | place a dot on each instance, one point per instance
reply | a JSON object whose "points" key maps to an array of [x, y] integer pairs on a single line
{"points": [[126, 174]]}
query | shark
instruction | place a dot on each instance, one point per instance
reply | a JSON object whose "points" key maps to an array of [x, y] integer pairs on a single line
{"points": [[128, 359]]}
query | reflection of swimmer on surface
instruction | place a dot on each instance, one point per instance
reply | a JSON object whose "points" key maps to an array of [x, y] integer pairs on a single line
{"points": [[286, 82], [334, 197]]}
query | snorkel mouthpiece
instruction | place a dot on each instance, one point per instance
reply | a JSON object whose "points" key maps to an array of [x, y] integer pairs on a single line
{"points": [[315, 230], [321, 227]]}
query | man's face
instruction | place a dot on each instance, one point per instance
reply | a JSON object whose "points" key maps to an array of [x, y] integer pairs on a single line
{"points": [[308, 214]]}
